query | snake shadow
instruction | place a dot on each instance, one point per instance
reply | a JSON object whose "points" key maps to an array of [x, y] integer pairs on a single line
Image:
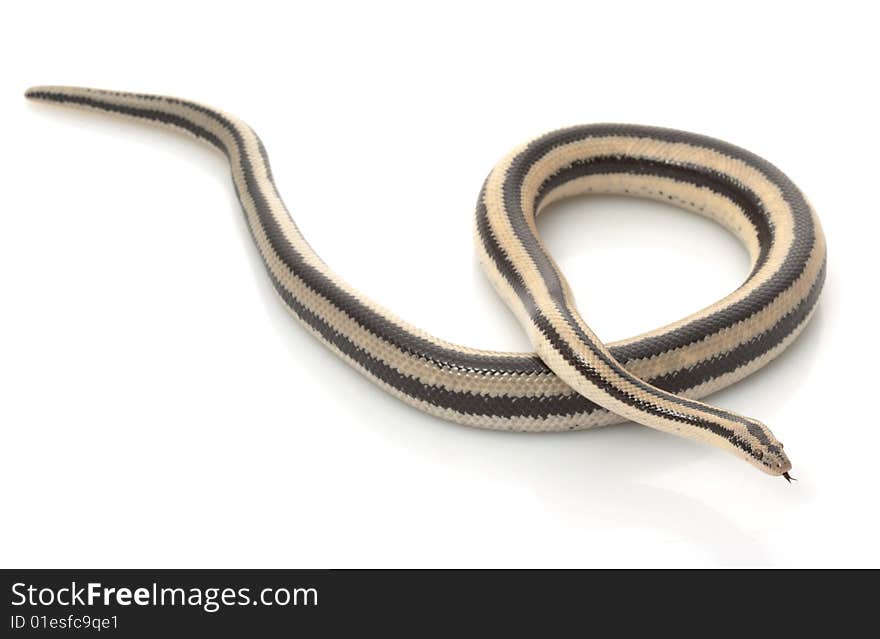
{"points": [[624, 477], [610, 477]]}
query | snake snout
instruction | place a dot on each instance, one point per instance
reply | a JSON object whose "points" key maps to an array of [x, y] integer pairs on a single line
{"points": [[777, 461]]}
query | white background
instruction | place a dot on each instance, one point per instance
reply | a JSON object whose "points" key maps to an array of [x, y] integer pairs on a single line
{"points": [[160, 407]]}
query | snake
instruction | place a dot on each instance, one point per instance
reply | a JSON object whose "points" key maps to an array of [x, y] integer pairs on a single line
{"points": [[572, 380]]}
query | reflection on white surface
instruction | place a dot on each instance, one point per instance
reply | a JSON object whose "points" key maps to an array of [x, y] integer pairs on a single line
{"points": [[156, 390], [661, 494]]}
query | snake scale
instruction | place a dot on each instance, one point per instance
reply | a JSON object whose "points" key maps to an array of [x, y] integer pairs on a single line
{"points": [[572, 380]]}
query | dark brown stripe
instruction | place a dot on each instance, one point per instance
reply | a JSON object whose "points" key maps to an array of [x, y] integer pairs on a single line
{"points": [[466, 403], [512, 275], [506, 268], [792, 265], [314, 279], [714, 181], [789, 271]]}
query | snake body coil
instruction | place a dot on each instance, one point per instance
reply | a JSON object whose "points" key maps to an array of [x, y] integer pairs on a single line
{"points": [[573, 381]]}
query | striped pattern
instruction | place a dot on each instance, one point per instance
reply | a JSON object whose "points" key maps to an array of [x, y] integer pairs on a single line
{"points": [[573, 381]]}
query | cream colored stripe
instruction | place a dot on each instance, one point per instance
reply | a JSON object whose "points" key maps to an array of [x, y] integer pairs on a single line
{"points": [[684, 195], [562, 156], [493, 422], [517, 254], [723, 210], [251, 149], [267, 188], [723, 381], [502, 227], [771, 197], [427, 372], [522, 385]]}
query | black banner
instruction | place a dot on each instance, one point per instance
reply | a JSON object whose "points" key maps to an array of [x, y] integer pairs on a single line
{"points": [[149, 603]]}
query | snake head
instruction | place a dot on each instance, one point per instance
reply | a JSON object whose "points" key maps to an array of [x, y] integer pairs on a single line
{"points": [[771, 458]]}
